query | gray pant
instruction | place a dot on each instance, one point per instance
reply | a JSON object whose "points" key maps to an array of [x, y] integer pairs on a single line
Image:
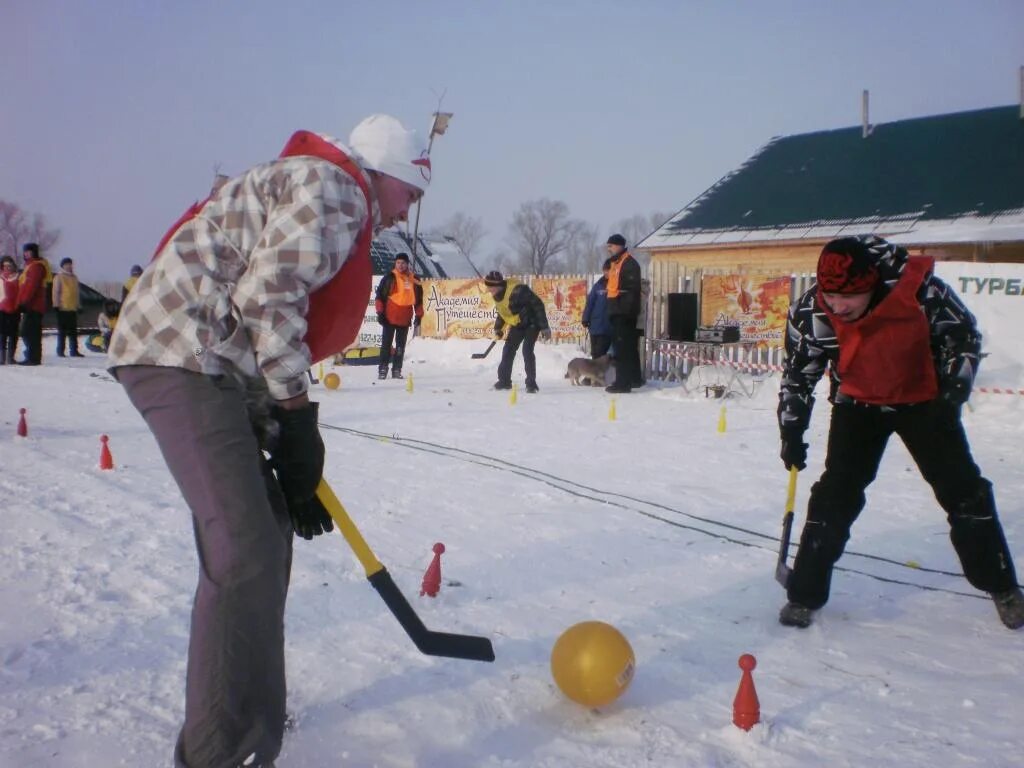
{"points": [[235, 684]]}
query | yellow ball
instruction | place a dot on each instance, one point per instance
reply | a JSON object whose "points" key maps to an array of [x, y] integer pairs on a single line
{"points": [[332, 381], [592, 663]]}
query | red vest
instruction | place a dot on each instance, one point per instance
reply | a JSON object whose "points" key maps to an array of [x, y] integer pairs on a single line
{"points": [[885, 357], [335, 309]]}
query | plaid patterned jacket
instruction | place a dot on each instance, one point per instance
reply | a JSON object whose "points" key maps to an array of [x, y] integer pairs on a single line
{"points": [[229, 292]]}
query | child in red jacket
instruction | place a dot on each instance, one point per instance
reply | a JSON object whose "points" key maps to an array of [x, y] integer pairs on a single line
{"points": [[8, 309]]}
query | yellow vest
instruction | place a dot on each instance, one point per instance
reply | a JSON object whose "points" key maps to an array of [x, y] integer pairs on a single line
{"points": [[502, 306], [68, 292], [130, 283]]}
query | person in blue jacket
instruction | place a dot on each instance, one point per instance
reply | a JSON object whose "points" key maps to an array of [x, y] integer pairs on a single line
{"points": [[595, 315]]}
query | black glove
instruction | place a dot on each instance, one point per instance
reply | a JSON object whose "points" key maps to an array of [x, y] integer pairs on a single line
{"points": [[298, 460], [498, 334], [794, 449], [955, 390], [381, 318], [586, 324], [417, 321]]}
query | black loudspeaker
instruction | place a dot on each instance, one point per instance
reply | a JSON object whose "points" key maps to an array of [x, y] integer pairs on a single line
{"points": [[682, 316]]}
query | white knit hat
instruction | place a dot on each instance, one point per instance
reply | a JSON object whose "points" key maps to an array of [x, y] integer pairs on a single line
{"points": [[384, 145]]}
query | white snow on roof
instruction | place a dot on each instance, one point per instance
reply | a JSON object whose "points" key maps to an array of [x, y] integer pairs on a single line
{"points": [[906, 228]]}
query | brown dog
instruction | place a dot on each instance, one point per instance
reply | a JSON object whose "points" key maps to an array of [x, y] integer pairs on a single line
{"points": [[583, 369]]}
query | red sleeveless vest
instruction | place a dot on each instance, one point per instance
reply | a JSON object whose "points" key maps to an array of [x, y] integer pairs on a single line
{"points": [[885, 357], [336, 309]]}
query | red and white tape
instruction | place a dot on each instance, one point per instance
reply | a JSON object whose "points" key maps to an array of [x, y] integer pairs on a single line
{"points": [[780, 369]]}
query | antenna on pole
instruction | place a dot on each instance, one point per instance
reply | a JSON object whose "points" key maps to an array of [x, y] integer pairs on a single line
{"points": [[865, 123], [437, 128]]}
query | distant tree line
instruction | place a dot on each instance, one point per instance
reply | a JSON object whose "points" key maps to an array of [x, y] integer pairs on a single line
{"points": [[543, 238]]}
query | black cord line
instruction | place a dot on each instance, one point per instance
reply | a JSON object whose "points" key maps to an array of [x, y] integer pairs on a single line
{"points": [[559, 483]]}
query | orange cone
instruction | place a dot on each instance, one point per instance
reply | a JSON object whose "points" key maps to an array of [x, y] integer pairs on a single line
{"points": [[106, 460], [746, 709], [22, 424], [432, 578]]}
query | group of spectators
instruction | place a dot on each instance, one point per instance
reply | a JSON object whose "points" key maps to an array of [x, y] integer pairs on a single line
{"points": [[26, 295]]}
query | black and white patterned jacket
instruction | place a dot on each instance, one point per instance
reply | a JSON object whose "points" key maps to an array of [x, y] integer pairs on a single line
{"points": [[811, 344]]}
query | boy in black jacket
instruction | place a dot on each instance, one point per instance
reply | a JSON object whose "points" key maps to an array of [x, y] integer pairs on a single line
{"points": [[902, 352]]}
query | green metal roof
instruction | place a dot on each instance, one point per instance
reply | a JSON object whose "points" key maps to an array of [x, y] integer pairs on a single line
{"points": [[930, 168]]}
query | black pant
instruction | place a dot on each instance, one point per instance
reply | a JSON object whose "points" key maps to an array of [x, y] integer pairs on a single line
{"points": [[935, 439], [627, 354], [600, 343], [516, 336], [8, 335], [32, 335], [397, 334], [67, 332]]}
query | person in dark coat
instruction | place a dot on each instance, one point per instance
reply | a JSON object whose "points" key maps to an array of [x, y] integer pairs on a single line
{"points": [[522, 311], [32, 304], [623, 314], [399, 303], [595, 315], [902, 352]]}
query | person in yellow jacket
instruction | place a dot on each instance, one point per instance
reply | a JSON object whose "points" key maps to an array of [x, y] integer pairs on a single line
{"points": [[522, 311], [133, 278], [67, 303]]}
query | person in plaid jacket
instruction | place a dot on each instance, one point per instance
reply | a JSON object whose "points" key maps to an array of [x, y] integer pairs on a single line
{"points": [[212, 345]]}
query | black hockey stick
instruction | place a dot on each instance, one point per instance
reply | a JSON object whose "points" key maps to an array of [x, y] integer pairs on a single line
{"points": [[485, 353], [783, 571], [468, 647]]}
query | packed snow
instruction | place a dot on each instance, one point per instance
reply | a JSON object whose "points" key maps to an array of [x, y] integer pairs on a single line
{"points": [[551, 514]]}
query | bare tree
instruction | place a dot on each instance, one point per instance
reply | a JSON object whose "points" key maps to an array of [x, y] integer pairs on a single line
{"points": [[585, 253], [18, 227], [467, 232], [540, 233]]}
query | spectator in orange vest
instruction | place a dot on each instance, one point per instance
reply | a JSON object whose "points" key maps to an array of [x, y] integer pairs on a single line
{"points": [[902, 351], [624, 312], [9, 315], [66, 303], [32, 303], [399, 304]]}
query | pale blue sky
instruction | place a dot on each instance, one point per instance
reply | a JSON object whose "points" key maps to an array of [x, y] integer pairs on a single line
{"points": [[113, 114]]}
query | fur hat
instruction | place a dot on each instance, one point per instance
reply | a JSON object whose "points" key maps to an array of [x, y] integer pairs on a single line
{"points": [[494, 279], [847, 265]]}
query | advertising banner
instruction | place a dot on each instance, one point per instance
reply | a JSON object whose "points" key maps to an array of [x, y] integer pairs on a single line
{"points": [[758, 304], [564, 299], [994, 293], [459, 309]]}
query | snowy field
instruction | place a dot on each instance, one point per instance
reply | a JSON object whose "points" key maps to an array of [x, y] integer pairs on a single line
{"points": [[551, 514]]}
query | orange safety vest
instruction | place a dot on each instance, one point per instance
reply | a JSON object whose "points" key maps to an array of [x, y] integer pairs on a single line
{"points": [[885, 357], [403, 290], [336, 308], [613, 275]]}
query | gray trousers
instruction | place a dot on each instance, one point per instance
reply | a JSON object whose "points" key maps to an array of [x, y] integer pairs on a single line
{"points": [[235, 684]]}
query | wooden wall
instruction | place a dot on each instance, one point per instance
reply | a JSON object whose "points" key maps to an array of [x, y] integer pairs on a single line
{"points": [[680, 270]]}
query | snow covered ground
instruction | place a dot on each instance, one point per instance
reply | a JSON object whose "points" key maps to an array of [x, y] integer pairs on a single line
{"points": [[551, 514]]}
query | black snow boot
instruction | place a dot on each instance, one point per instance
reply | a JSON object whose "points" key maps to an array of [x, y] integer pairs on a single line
{"points": [[396, 373], [795, 615], [382, 373], [1010, 605], [503, 385], [531, 387]]}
